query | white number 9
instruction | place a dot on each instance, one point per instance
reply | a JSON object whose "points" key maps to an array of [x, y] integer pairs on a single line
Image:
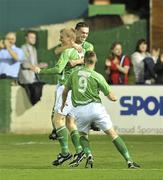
{"points": [[82, 84]]}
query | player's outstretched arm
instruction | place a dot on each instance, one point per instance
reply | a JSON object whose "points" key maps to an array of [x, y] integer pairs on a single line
{"points": [[111, 96], [73, 63], [60, 49]]}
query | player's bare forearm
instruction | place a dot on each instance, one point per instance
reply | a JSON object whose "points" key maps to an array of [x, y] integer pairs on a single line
{"points": [[111, 96], [73, 63], [54, 70], [64, 97], [59, 50]]}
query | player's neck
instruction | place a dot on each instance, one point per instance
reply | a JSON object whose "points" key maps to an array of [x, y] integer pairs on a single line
{"points": [[90, 66], [79, 42]]}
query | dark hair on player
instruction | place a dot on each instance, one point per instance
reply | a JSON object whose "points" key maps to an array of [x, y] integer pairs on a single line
{"points": [[89, 57], [80, 25]]}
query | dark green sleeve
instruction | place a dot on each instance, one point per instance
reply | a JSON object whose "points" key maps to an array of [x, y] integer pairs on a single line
{"points": [[59, 67], [69, 82]]}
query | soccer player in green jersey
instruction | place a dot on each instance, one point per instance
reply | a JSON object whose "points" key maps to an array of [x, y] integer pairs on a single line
{"points": [[82, 32], [63, 67], [86, 84]]}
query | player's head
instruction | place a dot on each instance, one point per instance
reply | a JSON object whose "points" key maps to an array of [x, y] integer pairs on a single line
{"points": [[90, 58], [31, 37], [67, 36], [11, 38], [82, 31], [116, 49]]}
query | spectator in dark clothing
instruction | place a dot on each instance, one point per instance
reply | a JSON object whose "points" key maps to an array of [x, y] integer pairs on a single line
{"points": [[149, 73], [158, 68]]}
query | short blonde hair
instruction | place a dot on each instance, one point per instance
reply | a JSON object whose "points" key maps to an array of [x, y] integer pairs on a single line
{"points": [[69, 33]]}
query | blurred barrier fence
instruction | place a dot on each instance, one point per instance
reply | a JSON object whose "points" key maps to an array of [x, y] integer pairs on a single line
{"points": [[5, 105], [139, 110], [26, 118]]}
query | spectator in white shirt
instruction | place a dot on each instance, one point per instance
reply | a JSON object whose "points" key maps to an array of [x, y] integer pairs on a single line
{"points": [[10, 57], [143, 63]]}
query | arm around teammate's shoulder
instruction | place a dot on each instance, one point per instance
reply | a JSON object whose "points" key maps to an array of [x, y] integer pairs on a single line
{"points": [[88, 46]]}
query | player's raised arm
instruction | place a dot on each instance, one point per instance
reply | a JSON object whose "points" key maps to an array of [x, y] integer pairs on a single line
{"points": [[60, 49], [59, 67], [106, 89]]}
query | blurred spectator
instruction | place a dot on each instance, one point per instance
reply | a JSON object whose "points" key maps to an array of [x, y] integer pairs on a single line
{"points": [[28, 76], [143, 63], [117, 65], [149, 74], [137, 60], [10, 57], [159, 70]]}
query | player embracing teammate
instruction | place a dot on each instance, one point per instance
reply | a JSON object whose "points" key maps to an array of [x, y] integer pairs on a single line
{"points": [[77, 92]]}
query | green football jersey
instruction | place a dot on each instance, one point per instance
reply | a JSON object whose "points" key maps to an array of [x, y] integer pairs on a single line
{"points": [[86, 85], [87, 46], [62, 65]]}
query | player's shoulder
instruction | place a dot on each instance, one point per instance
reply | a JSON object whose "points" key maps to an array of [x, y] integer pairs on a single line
{"points": [[74, 73], [87, 44], [70, 51], [97, 75]]}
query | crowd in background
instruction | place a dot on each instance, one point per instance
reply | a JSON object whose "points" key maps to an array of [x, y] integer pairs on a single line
{"points": [[22, 64], [147, 67]]}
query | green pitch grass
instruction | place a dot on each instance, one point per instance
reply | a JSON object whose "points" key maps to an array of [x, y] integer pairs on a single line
{"points": [[29, 157]]}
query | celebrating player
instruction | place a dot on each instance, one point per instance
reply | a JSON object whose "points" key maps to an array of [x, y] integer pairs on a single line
{"points": [[82, 46], [68, 36], [85, 84]]}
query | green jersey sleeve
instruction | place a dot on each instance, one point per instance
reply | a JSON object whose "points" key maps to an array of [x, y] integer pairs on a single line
{"points": [[59, 67], [103, 85], [88, 46]]}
